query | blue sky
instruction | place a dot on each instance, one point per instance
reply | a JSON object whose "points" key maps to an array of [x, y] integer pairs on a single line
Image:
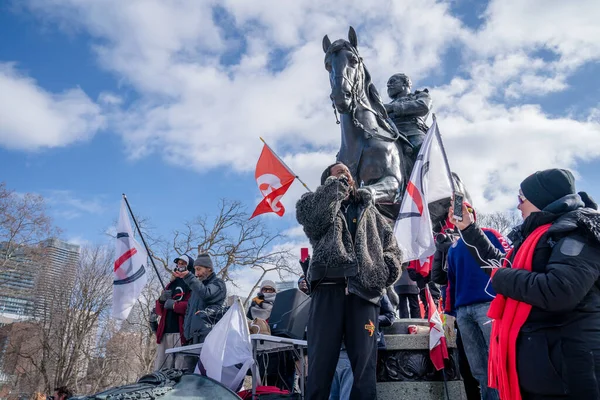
{"points": [[165, 101]]}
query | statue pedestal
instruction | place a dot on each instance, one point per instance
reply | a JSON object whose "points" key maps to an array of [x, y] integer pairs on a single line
{"points": [[405, 371]]}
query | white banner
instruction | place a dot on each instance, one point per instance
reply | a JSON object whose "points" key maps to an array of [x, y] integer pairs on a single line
{"points": [[129, 271], [227, 345], [429, 182]]}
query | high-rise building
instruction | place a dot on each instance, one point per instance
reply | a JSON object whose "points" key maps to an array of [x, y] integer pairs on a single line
{"points": [[56, 270], [17, 286], [29, 279]]}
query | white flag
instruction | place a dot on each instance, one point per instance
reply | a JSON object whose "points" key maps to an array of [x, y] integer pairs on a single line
{"points": [[227, 345], [429, 182], [129, 272]]}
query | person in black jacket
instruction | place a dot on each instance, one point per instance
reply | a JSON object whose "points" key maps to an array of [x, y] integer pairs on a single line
{"points": [[558, 347], [355, 258], [408, 297]]}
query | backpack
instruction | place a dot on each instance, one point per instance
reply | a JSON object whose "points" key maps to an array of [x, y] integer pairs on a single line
{"points": [[204, 320]]}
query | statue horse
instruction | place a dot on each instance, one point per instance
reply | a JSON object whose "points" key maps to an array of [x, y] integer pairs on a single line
{"points": [[371, 146]]}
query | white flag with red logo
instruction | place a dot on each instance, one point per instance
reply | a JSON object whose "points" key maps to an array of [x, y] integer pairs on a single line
{"points": [[429, 182], [129, 271], [273, 179], [438, 349]]}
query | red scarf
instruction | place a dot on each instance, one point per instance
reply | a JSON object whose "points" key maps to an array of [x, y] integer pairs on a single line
{"points": [[508, 316]]}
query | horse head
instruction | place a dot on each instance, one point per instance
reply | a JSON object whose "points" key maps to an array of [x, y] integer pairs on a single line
{"points": [[350, 81]]}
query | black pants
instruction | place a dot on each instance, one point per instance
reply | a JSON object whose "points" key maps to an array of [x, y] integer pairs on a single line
{"points": [[471, 384], [435, 294], [412, 310], [333, 317]]}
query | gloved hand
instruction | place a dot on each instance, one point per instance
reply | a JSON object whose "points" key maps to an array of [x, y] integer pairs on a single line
{"points": [[165, 295], [304, 264], [169, 304]]}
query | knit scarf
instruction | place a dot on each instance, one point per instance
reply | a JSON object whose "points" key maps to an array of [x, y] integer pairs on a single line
{"points": [[508, 316], [263, 308]]}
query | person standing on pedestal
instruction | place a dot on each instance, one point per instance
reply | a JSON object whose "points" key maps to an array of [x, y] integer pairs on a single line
{"points": [[355, 257], [408, 293]]}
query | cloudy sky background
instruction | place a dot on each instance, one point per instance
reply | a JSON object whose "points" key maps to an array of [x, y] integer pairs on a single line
{"points": [[166, 100]]}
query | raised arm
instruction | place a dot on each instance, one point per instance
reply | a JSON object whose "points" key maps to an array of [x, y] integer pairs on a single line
{"points": [[573, 268], [316, 211]]}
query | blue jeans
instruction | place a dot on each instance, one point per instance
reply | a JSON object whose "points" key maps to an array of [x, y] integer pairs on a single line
{"points": [[475, 330], [343, 378]]}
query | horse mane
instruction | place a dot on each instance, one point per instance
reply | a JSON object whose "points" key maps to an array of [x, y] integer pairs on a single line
{"points": [[373, 94], [369, 87]]}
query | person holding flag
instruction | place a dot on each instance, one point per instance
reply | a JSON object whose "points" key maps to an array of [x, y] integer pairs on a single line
{"points": [[171, 307], [355, 258]]}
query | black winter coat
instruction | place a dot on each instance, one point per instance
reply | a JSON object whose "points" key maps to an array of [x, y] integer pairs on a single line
{"points": [[558, 347]]}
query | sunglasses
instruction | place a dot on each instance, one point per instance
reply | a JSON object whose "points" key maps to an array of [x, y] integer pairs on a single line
{"points": [[268, 290], [521, 198]]}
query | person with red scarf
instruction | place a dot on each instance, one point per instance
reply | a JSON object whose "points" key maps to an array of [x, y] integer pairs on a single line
{"points": [[545, 341], [171, 307]]}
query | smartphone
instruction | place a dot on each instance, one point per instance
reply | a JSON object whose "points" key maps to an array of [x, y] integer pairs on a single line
{"points": [[303, 254], [457, 206]]}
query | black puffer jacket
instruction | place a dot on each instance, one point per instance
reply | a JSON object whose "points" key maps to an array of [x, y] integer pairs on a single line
{"points": [[371, 262], [558, 348], [206, 294]]}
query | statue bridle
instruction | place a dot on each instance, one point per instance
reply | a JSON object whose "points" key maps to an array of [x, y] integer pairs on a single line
{"points": [[357, 100]]}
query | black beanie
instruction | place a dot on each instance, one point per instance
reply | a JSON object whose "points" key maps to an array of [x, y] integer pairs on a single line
{"points": [[547, 186], [203, 260], [327, 173]]}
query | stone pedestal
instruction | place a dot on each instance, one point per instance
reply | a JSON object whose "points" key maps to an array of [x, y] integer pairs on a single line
{"points": [[404, 369]]}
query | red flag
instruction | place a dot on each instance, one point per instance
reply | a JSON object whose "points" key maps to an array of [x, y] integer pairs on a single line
{"points": [[438, 350], [273, 180]]}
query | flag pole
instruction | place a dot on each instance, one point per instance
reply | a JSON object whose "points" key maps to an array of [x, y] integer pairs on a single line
{"points": [[285, 165], [143, 240], [443, 149], [445, 383]]}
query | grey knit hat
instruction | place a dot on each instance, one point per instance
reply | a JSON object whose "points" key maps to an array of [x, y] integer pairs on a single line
{"points": [[203, 260]]}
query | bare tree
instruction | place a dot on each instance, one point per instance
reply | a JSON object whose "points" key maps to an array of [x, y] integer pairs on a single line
{"points": [[23, 223], [66, 325], [233, 240], [503, 222]]}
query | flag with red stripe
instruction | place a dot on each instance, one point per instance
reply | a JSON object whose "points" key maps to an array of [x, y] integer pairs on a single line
{"points": [[129, 270], [429, 182], [438, 349]]}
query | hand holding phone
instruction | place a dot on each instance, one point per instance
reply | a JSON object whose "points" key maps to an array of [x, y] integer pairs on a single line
{"points": [[303, 254], [457, 206]]}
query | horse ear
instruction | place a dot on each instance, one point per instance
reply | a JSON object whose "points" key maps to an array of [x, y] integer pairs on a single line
{"points": [[326, 43], [352, 38]]}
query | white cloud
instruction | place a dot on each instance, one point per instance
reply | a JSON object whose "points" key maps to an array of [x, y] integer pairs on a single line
{"points": [[32, 118], [79, 240], [67, 205], [194, 99]]}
